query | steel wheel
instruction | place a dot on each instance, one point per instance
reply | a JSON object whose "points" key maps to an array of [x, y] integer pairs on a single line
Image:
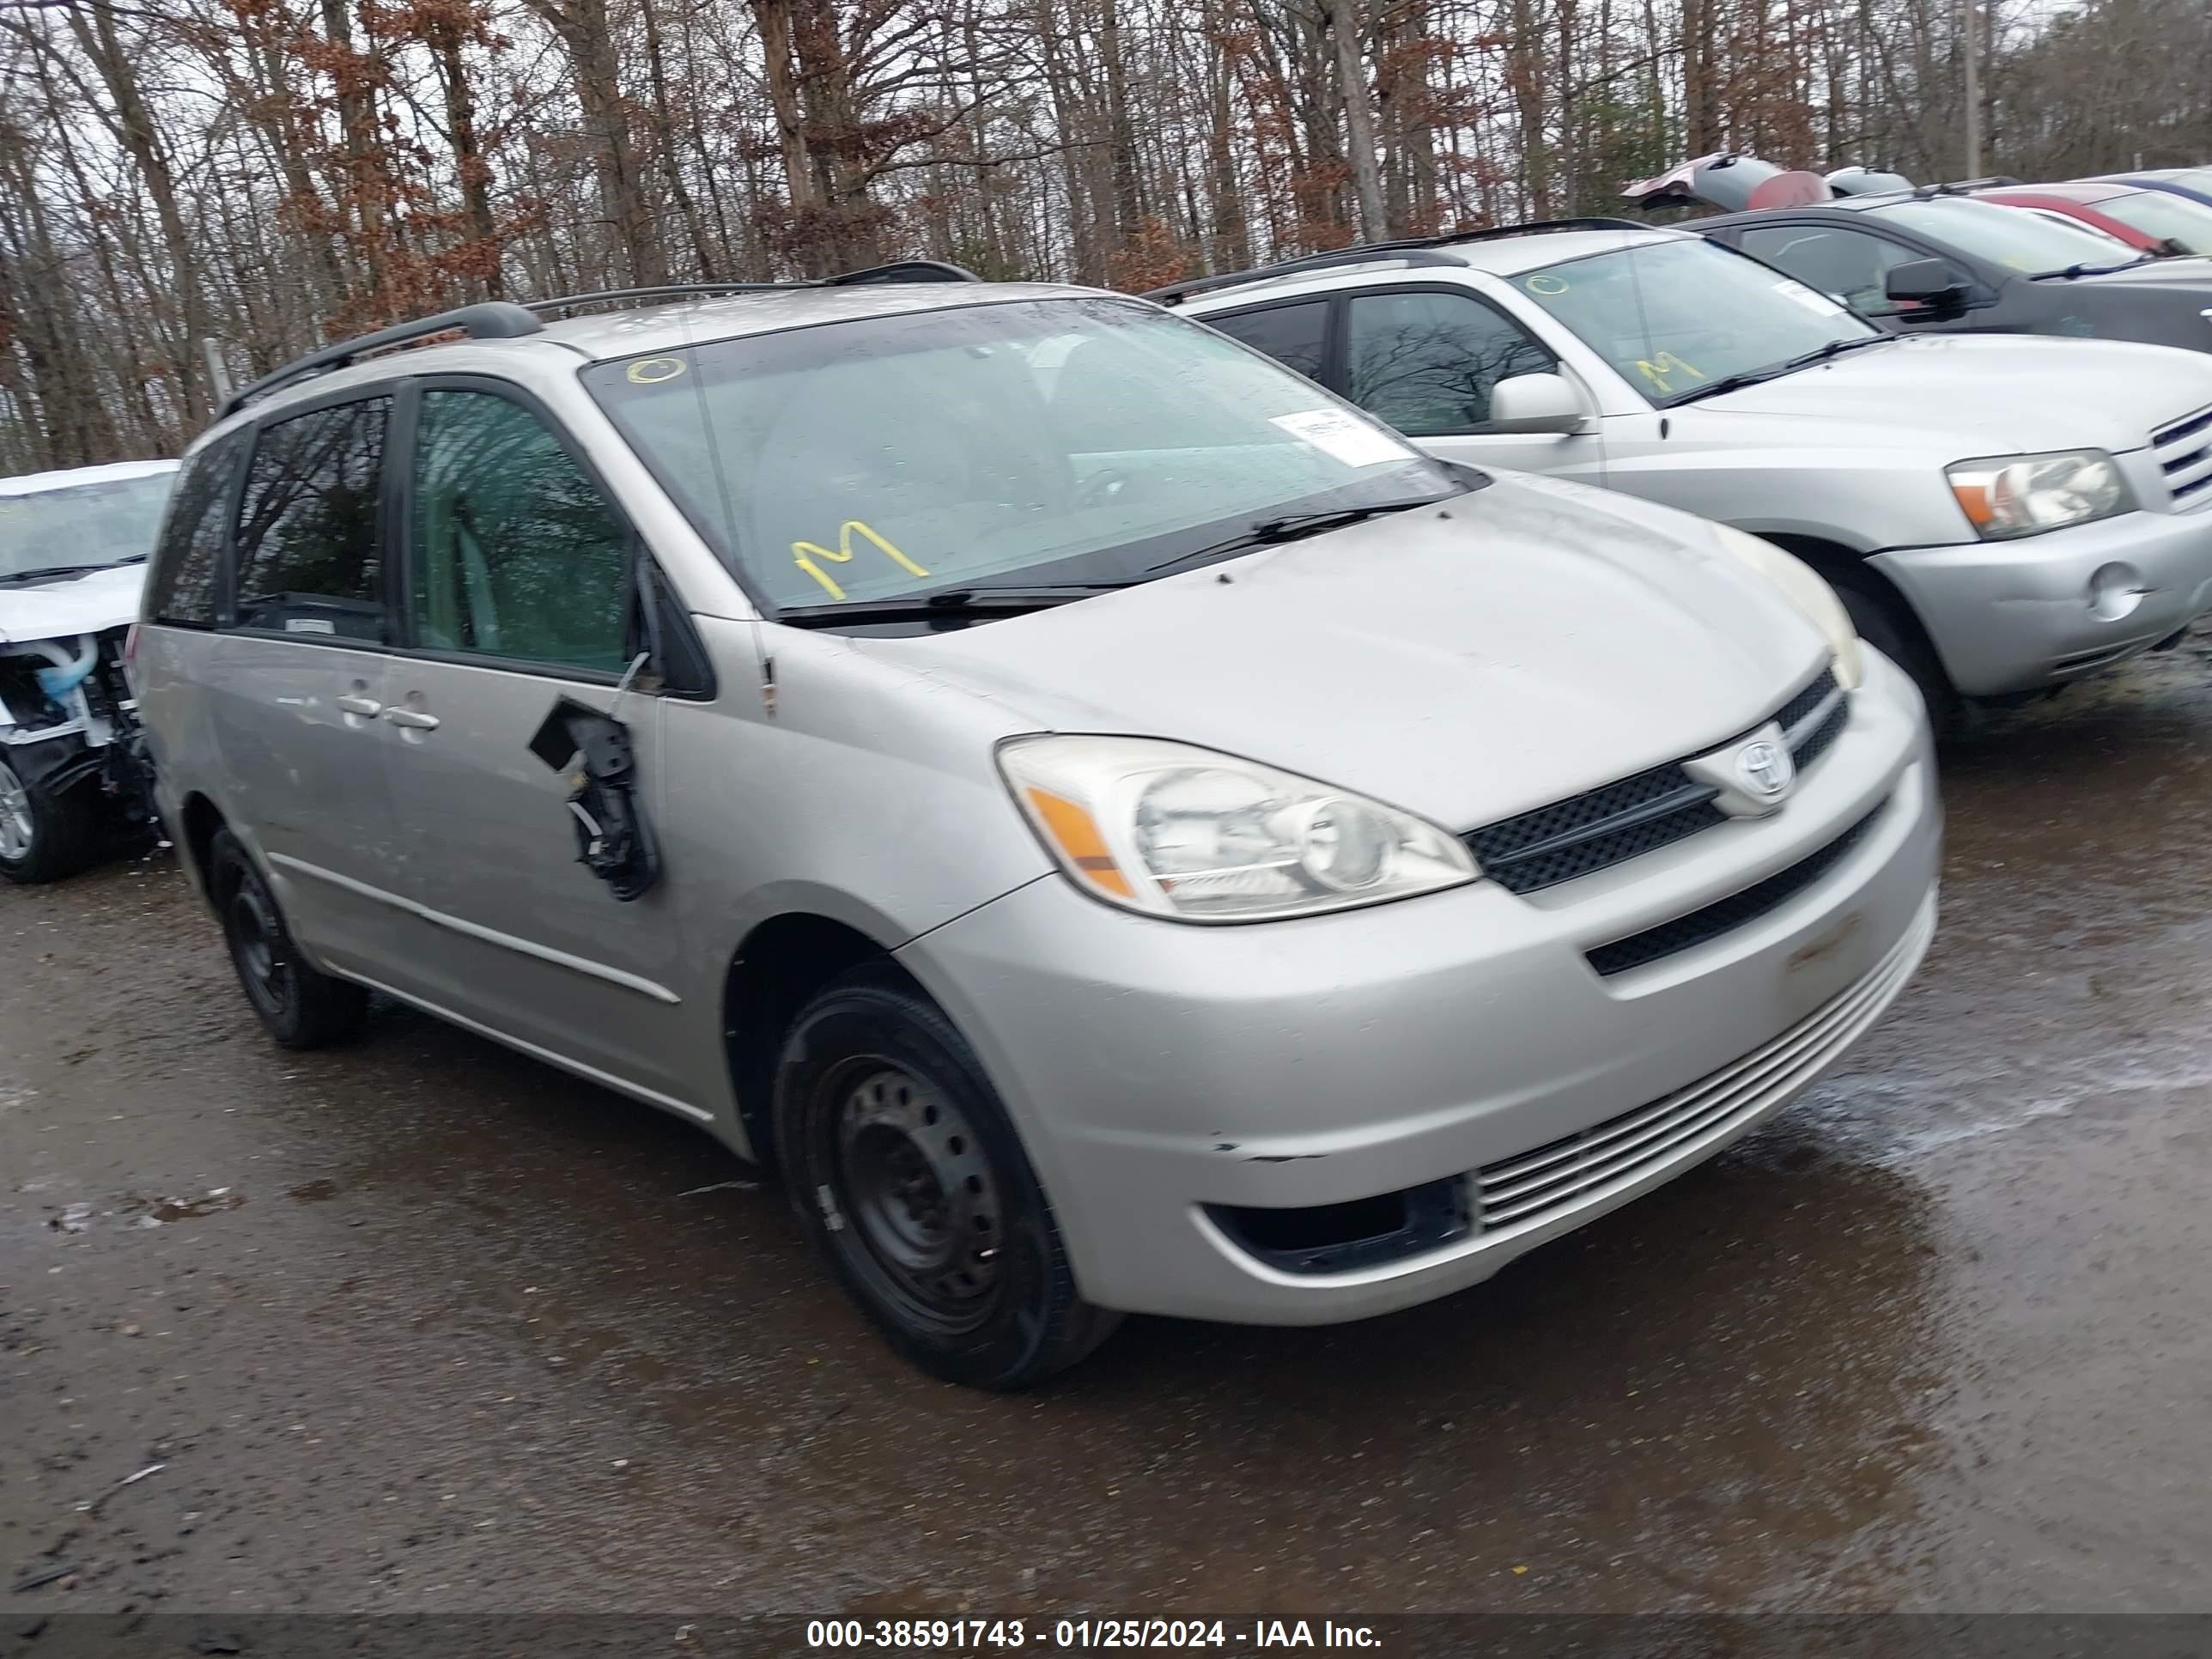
{"points": [[19, 831], [918, 1190], [257, 942]]}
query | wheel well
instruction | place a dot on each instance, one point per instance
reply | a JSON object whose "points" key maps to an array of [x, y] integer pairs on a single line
{"points": [[776, 973], [201, 822], [1839, 565]]}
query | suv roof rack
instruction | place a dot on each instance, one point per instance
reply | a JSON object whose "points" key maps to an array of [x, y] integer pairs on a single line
{"points": [[1965, 187], [1414, 250], [506, 320]]}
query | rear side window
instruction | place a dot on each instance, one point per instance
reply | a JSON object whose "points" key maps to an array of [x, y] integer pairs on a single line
{"points": [[515, 552], [1295, 335], [180, 587], [1427, 362], [309, 562]]}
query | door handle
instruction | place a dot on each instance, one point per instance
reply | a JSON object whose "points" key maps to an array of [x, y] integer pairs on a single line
{"points": [[412, 720], [367, 708]]}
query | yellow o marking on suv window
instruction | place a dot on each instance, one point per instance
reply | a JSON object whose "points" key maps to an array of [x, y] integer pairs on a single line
{"points": [[804, 554], [1543, 283], [651, 371]]}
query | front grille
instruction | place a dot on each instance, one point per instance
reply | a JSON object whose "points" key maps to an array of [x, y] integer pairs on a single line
{"points": [[1725, 915], [1583, 1170], [1635, 815], [2184, 453]]}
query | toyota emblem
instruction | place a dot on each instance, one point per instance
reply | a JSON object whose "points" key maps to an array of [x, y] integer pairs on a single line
{"points": [[1766, 768]]}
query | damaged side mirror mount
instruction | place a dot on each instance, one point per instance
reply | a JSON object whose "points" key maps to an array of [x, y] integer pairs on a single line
{"points": [[593, 750]]}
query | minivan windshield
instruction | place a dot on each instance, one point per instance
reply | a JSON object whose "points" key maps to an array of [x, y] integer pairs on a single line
{"points": [[1679, 316], [81, 526], [1088, 441], [2018, 241]]}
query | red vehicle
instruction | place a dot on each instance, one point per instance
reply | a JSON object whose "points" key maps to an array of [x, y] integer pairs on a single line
{"points": [[2156, 221]]}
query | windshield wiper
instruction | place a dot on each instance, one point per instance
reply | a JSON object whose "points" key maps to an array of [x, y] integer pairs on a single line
{"points": [[2085, 270], [1819, 354], [49, 572], [1007, 599], [1289, 527]]}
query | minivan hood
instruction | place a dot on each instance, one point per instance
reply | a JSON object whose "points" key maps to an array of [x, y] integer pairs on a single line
{"points": [[1504, 649], [69, 606], [2016, 394]]}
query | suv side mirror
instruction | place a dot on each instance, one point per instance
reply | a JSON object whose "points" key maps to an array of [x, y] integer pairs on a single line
{"points": [[1536, 402], [1930, 287]]}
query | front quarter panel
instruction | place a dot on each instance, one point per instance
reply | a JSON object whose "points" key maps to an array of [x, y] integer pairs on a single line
{"points": [[1763, 474]]}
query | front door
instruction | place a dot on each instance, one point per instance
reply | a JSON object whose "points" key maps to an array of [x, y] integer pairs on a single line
{"points": [[1426, 360], [519, 594]]}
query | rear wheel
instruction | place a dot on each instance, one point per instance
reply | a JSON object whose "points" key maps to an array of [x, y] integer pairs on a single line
{"points": [[42, 836], [302, 1007], [905, 1172]]}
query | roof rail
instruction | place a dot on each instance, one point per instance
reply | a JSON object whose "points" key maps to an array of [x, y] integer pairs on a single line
{"points": [[1414, 250], [903, 271], [1965, 187], [489, 320], [504, 320]]}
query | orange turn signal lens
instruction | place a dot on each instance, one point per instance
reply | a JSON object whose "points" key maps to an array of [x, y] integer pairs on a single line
{"points": [[1075, 833]]}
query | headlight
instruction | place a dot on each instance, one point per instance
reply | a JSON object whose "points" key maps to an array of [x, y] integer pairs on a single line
{"points": [[2028, 495], [1173, 830], [1803, 587]]}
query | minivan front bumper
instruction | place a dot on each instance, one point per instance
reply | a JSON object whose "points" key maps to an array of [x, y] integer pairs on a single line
{"points": [[2014, 616], [1167, 1078]]}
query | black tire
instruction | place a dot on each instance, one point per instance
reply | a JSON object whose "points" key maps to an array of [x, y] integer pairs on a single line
{"points": [[44, 836], [899, 1160], [302, 1007], [1899, 638]]}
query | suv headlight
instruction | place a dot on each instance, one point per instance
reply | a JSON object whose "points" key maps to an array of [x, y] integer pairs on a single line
{"points": [[1803, 587], [1178, 831], [2026, 494]]}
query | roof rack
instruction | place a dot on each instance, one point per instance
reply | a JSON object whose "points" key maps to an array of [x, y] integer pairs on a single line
{"points": [[505, 319], [1414, 250], [1965, 187], [490, 320], [899, 271]]}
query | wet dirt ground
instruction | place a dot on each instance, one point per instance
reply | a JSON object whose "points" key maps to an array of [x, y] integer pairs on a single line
{"points": [[422, 1325]]}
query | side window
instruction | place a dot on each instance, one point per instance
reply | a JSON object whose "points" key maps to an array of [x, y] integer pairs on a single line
{"points": [[515, 552], [308, 558], [1294, 334], [1851, 265], [180, 587], [1427, 362]]}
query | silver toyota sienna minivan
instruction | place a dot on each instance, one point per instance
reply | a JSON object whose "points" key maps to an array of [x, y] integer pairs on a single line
{"points": [[1116, 829]]}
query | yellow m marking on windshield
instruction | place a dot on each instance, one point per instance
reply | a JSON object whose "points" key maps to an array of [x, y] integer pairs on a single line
{"points": [[804, 554]]}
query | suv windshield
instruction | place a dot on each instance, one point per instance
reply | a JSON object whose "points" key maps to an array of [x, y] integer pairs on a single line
{"points": [[2005, 236], [1676, 316], [81, 525], [2162, 213], [1079, 440]]}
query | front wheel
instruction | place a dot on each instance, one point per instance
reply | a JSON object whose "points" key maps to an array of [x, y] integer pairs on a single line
{"points": [[42, 836], [302, 1007], [1901, 639], [905, 1172]]}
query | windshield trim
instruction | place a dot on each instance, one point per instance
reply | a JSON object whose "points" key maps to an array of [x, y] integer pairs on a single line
{"points": [[732, 564]]}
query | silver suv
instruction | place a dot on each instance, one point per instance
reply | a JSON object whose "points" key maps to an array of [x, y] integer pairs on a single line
{"points": [[2001, 514], [1116, 827]]}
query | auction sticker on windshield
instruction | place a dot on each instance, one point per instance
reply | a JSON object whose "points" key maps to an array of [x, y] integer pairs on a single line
{"points": [[1339, 436]]}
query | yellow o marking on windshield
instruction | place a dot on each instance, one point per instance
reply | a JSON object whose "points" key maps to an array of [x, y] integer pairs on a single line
{"points": [[1545, 282], [804, 554], [667, 369]]}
